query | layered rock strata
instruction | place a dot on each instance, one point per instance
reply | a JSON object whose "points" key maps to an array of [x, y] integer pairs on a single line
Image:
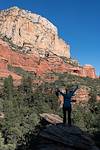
{"points": [[32, 33], [31, 42]]}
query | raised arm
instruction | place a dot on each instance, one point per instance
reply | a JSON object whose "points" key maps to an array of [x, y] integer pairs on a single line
{"points": [[60, 100], [58, 91], [73, 91], [61, 93], [75, 88]]}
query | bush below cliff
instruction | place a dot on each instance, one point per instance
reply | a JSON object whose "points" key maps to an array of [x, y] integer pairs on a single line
{"points": [[22, 105]]}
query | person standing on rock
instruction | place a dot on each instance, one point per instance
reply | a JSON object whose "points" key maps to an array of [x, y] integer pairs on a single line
{"points": [[66, 105]]}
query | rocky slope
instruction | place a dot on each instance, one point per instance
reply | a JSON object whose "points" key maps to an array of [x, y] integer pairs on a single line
{"points": [[57, 136], [64, 137], [31, 42]]}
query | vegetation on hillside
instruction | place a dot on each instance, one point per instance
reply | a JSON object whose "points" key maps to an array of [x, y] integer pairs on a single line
{"points": [[21, 106], [20, 71]]}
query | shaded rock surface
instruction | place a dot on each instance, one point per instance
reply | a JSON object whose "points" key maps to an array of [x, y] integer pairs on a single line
{"points": [[63, 137]]}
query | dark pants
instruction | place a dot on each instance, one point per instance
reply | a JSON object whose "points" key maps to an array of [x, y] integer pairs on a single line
{"points": [[69, 115]]}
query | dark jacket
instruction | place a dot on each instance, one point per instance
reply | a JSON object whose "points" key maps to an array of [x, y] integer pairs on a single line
{"points": [[67, 97]]}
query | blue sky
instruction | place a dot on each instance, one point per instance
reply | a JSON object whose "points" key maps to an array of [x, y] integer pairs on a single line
{"points": [[78, 23]]}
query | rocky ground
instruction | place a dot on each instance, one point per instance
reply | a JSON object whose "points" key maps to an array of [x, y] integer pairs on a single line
{"points": [[57, 136]]}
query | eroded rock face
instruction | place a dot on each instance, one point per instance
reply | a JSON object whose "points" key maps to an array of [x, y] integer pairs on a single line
{"points": [[34, 63], [89, 71], [29, 62], [31, 42], [32, 33]]}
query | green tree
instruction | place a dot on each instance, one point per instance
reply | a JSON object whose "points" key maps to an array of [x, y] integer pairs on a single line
{"points": [[8, 87], [4, 146]]}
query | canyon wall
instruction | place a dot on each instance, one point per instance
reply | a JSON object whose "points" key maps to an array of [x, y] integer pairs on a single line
{"points": [[31, 42]]}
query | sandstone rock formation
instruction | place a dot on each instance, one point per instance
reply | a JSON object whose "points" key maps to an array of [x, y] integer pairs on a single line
{"points": [[51, 118], [84, 71], [31, 32], [89, 70], [29, 62], [31, 42]]}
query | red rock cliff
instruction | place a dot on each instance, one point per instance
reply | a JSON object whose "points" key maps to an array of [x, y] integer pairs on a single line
{"points": [[31, 42]]}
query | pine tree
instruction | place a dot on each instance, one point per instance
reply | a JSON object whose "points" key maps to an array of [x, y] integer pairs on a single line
{"points": [[8, 87]]}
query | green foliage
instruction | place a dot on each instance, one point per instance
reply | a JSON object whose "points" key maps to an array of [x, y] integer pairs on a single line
{"points": [[85, 118], [84, 115], [67, 79], [1, 104], [22, 105], [20, 71], [8, 88], [20, 114], [21, 108], [4, 146]]}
